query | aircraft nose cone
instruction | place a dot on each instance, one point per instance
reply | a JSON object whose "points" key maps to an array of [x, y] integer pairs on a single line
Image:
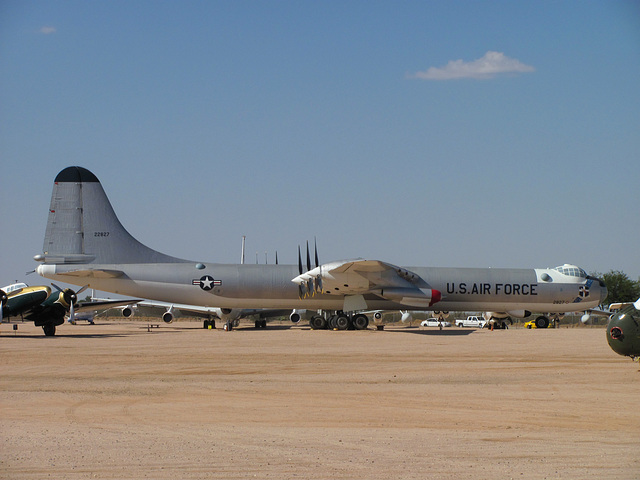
{"points": [[603, 292], [623, 334]]}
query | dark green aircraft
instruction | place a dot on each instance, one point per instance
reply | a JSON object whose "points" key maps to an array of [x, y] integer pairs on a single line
{"points": [[623, 330]]}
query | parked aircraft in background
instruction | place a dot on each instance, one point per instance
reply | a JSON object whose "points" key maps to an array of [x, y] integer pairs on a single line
{"points": [[45, 309], [85, 243]]}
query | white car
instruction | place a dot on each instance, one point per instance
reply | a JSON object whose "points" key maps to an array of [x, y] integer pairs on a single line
{"points": [[434, 322]]}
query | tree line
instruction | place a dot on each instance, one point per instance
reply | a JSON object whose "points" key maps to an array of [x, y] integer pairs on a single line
{"points": [[620, 287]]}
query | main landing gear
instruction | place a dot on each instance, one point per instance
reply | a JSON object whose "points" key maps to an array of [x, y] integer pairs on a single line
{"points": [[339, 321], [49, 329]]}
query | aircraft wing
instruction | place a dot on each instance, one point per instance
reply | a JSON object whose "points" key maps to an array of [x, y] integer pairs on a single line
{"points": [[206, 312], [103, 304], [613, 308], [356, 278], [192, 310]]}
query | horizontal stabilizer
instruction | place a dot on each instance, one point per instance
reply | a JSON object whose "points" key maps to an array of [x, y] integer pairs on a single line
{"points": [[49, 270]]}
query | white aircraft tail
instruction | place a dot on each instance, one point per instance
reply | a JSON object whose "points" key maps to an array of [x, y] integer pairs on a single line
{"points": [[83, 228]]}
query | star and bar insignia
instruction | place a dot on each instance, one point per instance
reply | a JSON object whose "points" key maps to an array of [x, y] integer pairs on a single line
{"points": [[206, 282]]}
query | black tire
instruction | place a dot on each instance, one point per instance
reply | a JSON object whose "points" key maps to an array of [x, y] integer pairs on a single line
{"points": [[341, 322], [542, 322], [49, 329], [317, 323], [360, 322]]}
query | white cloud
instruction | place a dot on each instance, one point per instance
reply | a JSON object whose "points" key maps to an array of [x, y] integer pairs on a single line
{"points": [[47, 30], [489, 66]]}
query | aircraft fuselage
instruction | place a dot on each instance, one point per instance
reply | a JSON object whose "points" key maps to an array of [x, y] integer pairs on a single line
{"points": [[270, 286]]}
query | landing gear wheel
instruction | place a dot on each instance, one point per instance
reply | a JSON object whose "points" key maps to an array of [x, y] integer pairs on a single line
{"points": [[360, 322], [317, 323], [542, 322], [49, 329], [341, 322]]}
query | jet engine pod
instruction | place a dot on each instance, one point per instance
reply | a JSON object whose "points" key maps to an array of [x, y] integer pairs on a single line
{"points": [[167, 317], [296, 315], [127, 311]]}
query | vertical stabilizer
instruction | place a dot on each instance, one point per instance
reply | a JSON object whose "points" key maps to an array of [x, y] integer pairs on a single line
{"points": [[83, 228]]}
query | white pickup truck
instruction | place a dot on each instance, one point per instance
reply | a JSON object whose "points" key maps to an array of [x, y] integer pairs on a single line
{"points": [[471, 321]]}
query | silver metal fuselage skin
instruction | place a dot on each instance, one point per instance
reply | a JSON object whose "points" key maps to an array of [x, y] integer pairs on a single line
{"points": [[85, 244], [270, 286]]}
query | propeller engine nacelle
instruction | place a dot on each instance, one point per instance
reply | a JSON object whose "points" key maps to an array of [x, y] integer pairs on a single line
{"points": [[68, 299]]}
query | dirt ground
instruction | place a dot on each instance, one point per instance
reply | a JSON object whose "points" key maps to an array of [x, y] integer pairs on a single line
{"points": [[179, 402]]}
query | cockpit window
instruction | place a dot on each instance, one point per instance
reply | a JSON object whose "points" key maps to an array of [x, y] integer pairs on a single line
{"points": [[14, 287], [571, 271]]}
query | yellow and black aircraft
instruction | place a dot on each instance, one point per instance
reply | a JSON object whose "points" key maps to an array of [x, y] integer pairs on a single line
{"points": [[44, 308]]}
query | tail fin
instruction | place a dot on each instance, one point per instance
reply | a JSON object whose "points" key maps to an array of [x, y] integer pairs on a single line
{"points": [[83, 228]]}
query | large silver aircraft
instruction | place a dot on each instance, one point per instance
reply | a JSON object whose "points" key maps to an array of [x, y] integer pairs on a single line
{"points": [[85, 244]]}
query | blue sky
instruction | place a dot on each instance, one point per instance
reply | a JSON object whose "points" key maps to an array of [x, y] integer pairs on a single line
{"points": [[488, 134]]}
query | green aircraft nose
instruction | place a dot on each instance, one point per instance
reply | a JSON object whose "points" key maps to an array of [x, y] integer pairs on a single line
{"points": [[623, 333]]}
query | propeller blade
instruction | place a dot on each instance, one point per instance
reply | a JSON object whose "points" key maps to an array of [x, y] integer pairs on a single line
{"points": [[56, 287], [315, 247], [72, 313], [299, 261], [3, 300], [82, 289], [308, 258], [276, 257]]}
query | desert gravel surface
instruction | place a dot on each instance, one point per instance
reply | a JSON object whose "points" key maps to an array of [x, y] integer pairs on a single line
{"points": [[120, 401]]}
